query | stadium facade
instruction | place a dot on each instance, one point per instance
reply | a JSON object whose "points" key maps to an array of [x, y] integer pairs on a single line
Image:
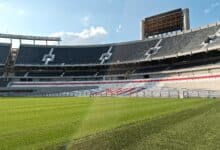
{"points": [[174, 64]]}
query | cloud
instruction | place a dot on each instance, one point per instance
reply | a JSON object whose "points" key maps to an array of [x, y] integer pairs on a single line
{"points": [[86, 20], [211, 8], [4, 7], [21, 12], [206, 11], [119, 28], [92, 35]]}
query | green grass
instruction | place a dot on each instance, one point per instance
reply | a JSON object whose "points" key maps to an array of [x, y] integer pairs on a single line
{"points": [[109, 123]]}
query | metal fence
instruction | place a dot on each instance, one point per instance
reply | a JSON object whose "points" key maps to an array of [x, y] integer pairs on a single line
{"points": [[163, 93]]}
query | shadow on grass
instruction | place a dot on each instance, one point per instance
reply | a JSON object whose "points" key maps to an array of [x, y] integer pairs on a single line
{"points": [[126, 136]]}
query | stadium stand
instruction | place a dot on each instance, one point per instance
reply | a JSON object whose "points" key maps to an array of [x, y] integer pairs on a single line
{"points": [[3, 82], [186, 42], [78, 55], [118, 53], [138, 68], [131, 51], [31, 55], [20, 74], [81, 73], [44, 74], [5, 50], [59, 55]]}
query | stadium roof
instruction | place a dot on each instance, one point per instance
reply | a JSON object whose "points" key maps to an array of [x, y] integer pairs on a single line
{"points": [[25, 37]]}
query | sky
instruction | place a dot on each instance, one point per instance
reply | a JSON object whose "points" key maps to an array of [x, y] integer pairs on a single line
{"points": [[95, 21]]}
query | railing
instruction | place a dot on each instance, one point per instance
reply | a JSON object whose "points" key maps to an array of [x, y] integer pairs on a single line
{"points": [[138, 92]]}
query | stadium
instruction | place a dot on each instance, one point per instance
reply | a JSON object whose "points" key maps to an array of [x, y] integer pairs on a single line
{"points": [[157, 63], [133, 91]]}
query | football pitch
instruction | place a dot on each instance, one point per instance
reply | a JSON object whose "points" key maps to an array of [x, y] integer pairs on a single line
{"points": [[109, 123]]}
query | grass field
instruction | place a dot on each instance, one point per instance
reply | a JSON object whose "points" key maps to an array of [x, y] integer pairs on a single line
{"points": [[109, 123]]}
